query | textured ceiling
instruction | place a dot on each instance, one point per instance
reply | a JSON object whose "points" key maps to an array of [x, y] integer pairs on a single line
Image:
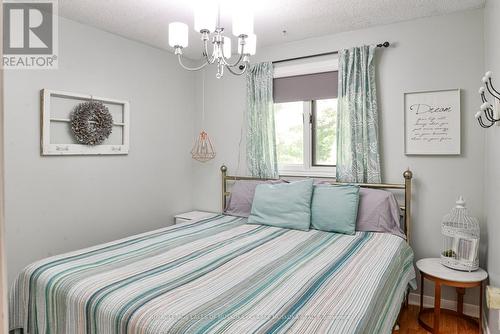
{"points": [[147, 20]]}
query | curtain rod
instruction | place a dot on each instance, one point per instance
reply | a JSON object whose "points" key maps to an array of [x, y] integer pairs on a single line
{"points": [[381, 45]]}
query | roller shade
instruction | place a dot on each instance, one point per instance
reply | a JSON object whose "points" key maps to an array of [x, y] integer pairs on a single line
{"points": [[306, 87]]}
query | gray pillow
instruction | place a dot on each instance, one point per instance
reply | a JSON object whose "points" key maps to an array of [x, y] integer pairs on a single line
{"points": [[241, 198], [378, 212]]}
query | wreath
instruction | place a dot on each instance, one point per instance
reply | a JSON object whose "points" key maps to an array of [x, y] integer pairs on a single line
{"points": [[91, 123]]}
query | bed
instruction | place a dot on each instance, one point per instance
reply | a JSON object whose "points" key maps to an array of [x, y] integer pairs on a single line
{"points": [[219, 275]]}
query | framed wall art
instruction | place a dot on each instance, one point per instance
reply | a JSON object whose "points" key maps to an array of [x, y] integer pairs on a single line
{"points": [[81, 124], [432, 122]]}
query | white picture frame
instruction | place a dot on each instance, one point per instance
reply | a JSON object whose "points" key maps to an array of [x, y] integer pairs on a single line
{"points": [[48, 120], [432, 121]]}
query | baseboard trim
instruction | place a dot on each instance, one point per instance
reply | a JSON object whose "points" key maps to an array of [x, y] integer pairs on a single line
{"points": [[469, 309]]}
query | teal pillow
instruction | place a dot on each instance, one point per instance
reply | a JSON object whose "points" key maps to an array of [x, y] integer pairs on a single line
{"points": [[335, 208], [286, 205]]}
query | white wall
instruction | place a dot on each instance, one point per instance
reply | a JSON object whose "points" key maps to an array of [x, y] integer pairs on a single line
{"points": [[57, 204], [433, 53], [492, 154]]}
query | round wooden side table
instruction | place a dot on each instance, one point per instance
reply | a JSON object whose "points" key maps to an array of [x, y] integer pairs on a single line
{"points": [[433, 270]]}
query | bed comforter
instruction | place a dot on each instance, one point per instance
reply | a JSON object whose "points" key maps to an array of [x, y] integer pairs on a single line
{"points": [[218, 275]]}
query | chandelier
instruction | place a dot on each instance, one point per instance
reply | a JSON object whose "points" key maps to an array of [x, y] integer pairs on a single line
{"points": [[488, 110], [207, 23]]}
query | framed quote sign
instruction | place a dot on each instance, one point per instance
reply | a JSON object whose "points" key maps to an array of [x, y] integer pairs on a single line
{"points": [[432, 122]]}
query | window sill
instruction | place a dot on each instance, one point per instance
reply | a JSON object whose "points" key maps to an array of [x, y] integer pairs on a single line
{"points": [[325, 172]]}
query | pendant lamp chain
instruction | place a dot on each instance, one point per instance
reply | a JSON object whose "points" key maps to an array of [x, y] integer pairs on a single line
{"points": [[203, 99]]}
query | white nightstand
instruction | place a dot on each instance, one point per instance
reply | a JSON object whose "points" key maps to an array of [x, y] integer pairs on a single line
{"points": [[192, 215], [433, 270]]}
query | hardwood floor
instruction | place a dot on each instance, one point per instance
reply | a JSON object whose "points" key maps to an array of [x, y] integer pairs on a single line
{"points": [[408, 323]]}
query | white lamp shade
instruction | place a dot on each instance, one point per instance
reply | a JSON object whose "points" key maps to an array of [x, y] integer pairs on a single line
{"points": [[205, 16], [226, 49], [242, 22], [250, 45], [178, 34]]}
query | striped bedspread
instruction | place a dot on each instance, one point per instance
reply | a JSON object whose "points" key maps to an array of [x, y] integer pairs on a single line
{"points": [[218, 275]]}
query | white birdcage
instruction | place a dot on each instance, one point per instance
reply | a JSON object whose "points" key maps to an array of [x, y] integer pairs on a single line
{"points": [[460, 239]]}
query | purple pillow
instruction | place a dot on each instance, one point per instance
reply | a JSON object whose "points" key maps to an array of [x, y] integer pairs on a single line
{"points": [[378, 211], [242, 192]]}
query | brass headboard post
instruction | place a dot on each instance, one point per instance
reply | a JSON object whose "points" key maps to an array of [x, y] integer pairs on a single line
{"points": [[223, 170], [408, 175]]}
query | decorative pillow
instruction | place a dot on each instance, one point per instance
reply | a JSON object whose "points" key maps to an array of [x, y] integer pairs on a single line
{"points": [[285, 205], [242, 192], [334, 208], [379, 212]]}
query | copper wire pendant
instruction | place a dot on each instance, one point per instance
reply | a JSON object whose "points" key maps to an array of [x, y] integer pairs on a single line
{"points": [[203, 149]]}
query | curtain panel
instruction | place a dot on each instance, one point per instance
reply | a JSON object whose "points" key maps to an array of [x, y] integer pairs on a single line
{"points": [[358, 158], [261, 138]]}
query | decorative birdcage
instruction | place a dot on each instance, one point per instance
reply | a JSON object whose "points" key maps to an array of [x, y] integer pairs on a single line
{"points": [[460, 239]]}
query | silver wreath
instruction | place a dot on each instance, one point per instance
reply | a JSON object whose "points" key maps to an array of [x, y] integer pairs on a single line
{"points": [[91, 123]]}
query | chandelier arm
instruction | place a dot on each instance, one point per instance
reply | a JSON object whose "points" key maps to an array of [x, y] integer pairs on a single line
{"points": [[488, 112], [191, 68], [492, 90], [489, 115], [228, 64], [242, 54], [491, 85], [483, 125], [210, 59], [483, 98], [238, 73]]}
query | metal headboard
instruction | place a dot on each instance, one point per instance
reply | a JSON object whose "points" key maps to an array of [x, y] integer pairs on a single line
{"points": [[406, 186]]}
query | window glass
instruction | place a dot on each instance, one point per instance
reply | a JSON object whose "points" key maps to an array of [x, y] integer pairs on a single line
{"points": [[324, 132], [289, 125]]}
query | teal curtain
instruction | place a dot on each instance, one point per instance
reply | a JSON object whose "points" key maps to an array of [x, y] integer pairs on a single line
{"points": [[261, 137], [358, 157]]}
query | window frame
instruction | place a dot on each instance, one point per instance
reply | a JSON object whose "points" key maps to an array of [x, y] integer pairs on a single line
{"points": [[309, 66], [307, 168]]}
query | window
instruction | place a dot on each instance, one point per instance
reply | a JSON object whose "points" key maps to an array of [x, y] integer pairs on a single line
{"points": [[306, 136], [306, 117]]}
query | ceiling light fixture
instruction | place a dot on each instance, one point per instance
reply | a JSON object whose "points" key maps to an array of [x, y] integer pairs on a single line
{"points": [[490, 111], [207, 23]]}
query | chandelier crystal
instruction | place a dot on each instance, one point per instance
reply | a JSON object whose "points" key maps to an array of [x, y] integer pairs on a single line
{"points": [[207, 23]]}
